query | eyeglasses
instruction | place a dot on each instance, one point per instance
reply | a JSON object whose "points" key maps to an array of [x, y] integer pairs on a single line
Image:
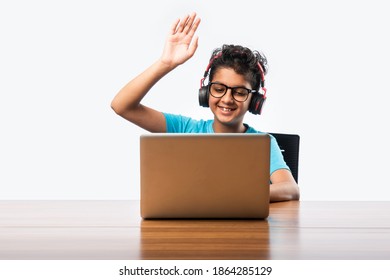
{"points": [[239, 94]]}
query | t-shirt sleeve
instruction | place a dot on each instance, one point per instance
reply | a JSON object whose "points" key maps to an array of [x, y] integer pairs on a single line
{"points": [[173, 122], [182, 124], [277, 160]]}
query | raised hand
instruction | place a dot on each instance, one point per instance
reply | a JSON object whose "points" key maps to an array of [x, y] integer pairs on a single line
{"points": [[181, 44], [179, 47]]}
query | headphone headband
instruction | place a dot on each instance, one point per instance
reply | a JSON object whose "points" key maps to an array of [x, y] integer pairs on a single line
{"points": [[261, 75], [206, 72], [218, 55]]}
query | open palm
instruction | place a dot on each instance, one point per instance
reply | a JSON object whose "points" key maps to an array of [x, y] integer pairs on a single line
{"points": [[180, 46]]}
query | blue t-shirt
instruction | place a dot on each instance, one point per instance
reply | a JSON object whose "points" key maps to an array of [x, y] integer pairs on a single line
{"points": [[182, 124]]}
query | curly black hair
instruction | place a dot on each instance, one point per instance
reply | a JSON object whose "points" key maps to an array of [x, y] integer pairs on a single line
{"points": [[242, 60]]}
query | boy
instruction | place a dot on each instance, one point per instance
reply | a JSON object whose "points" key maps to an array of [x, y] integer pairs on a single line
{"points": [[236, 75]]}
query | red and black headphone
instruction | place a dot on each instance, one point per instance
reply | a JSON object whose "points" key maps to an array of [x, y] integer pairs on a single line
{"points": [[257, 99]]}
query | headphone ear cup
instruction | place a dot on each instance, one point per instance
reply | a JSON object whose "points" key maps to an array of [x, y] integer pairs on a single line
{"points": [[256, 104], [204, 96]]}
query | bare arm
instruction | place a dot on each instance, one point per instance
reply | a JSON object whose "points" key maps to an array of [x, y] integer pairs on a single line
{"points": [[179, 47], [283, 186]]}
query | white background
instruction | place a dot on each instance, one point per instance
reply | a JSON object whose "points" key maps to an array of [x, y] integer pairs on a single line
{"points": [[62, 62]]}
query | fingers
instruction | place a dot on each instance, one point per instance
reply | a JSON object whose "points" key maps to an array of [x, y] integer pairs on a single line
{"points": [[187, 24], [179, 25], [193, 47], [194, 27], [174, 26]]}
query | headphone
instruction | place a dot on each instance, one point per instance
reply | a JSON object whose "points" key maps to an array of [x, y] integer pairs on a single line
{"points": [[257, 100]]}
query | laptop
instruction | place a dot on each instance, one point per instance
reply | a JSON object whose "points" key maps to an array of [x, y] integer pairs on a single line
{"points": [[204, 176]]}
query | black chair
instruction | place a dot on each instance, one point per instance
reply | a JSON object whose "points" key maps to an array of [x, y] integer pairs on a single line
{"points": [[289, 145]]}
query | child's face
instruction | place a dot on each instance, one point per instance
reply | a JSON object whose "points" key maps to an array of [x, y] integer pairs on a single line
{"points": [[228, 112]]}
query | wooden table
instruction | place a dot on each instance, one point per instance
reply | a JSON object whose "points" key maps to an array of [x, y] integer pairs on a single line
{"points": [[114, 230]]}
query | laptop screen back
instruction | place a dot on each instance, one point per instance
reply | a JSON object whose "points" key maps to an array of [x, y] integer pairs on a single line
{"points": [[205, 175]]}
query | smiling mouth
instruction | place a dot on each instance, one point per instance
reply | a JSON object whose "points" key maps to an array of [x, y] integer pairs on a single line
{"points": [[226, 109]]}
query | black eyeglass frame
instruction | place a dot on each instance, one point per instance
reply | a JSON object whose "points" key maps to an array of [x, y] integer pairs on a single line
{"points": [[233, 89]]}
